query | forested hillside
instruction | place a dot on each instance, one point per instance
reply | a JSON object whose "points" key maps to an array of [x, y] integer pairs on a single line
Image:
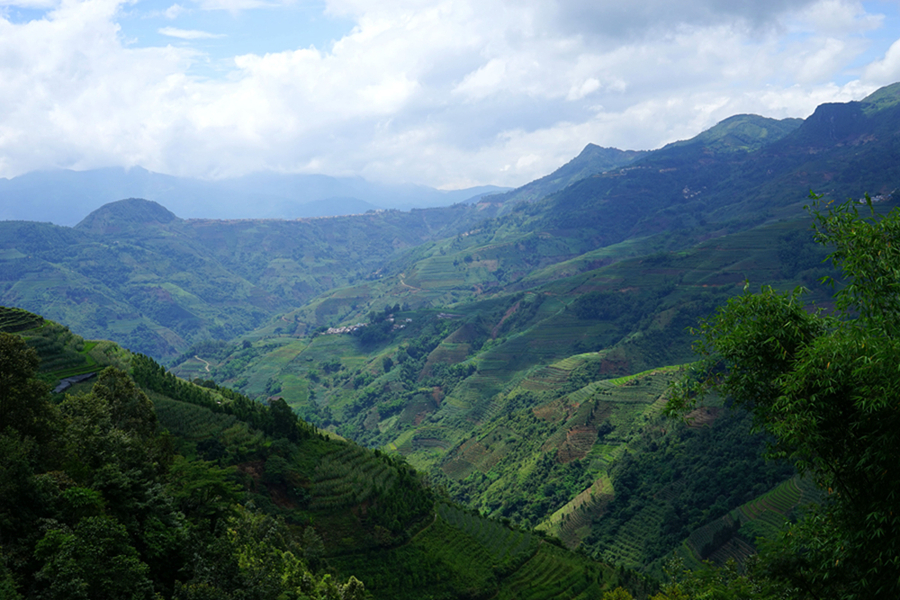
{"points": [[488, 359], [135, 484], [823, 385]]}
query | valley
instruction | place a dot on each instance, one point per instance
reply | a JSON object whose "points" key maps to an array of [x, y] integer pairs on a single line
{"points": [[471, 401]]}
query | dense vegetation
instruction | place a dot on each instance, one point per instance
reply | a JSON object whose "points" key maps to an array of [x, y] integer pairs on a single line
{"points": [[142, 485], [824, 385], [96, 504], [678, 483]]}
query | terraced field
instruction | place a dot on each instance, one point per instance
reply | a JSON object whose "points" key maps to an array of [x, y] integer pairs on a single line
{"points": [[454, 546], [572, 523], [770, 510], [545, 379], [732, 536], [735, 549], [63, 354], [553, 573], [189, 421], [631, 540], [14, 320], [510, 563], [348, 477], [507, 547], [588, 429], [447, 353]]}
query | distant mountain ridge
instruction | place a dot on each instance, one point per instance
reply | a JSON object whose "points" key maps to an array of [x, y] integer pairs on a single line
{"points": [[135, 272], [741, 133], [64, 197]]}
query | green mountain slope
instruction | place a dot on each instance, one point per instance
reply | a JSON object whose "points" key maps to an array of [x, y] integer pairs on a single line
{"points": [[508, 401], [745, 133], [742, 173], [633, 311], [591, 161], [133, 272], [491, 331], [187, 492]]}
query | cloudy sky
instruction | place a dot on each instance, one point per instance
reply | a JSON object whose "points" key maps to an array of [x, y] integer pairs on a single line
{"points": [[444, 93]]}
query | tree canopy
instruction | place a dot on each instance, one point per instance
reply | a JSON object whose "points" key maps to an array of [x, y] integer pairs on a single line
{"points": [[826, 385], [23, 402], [93, 503]]}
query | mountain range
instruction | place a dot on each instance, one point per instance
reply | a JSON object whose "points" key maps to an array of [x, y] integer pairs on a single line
{"points": [[518, 348], [63, 197]]}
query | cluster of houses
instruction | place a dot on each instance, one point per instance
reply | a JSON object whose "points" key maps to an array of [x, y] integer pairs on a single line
{"points": [[399, 325], [875, 199], [352, 328], [347, 329]]}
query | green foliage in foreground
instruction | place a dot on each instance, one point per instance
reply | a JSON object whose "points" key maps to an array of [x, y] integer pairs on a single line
{"points": [[826, 387], [93, 504]]}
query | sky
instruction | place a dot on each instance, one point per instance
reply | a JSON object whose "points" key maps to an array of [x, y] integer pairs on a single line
{"points": [[449, 94]]}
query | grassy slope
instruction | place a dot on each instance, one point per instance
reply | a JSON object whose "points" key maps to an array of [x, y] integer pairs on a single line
{"points": [[505, 335]]}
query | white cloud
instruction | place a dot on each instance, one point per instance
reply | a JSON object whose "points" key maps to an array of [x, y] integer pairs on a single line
{"points": [[188, 34], [448, 93], [590, 85], [885, 70], [490, 78], [174, 11], [834, 17], [820, 62]]}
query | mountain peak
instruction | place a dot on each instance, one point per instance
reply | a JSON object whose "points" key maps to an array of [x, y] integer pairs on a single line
{"points": [[124, 214], [592, 160], [882, 98], [606, 158], [743, 132]]}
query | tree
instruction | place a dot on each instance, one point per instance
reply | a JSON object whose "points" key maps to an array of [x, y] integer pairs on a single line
{"points": [[826, 386], [725, 583], [28, 434], [202, 490], [618, 594], [23, 399], [282, 421], [130, 408], [95, 560]]}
